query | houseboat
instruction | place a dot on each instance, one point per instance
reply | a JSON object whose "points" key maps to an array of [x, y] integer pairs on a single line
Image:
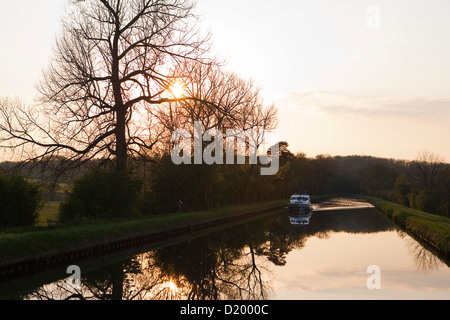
{"points": [[299, 209], [299, 204]]}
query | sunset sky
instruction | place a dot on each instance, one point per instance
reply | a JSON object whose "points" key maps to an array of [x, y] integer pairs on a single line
{"points": [[342, 85]]}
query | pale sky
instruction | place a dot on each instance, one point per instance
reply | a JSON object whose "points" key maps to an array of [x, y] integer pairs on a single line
{"points": [[366, 77]]}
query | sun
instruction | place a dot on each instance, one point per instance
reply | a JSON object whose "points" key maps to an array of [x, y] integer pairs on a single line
{"points": [[177, 89]]}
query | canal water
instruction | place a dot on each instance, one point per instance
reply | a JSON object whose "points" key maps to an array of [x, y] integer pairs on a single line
{"points": [[347, 250]]}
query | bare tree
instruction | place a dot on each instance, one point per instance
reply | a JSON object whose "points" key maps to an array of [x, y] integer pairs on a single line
{"points": [[427, 168], [113, 60], [238, 103]]}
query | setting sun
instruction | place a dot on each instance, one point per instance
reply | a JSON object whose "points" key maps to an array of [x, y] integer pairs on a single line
{"points": [[178, 89]]}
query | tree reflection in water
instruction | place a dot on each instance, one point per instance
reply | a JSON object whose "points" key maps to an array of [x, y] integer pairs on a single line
{"points": [[229, 264], [424, 259]]}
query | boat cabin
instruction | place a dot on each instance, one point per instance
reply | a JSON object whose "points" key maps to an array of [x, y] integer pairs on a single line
{"points": [[300, 198]]}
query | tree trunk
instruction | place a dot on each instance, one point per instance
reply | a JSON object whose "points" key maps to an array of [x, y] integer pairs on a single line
{"points": [[121, 144], [120, 134]]}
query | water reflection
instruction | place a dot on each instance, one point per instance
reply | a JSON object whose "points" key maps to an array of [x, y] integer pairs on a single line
{"points": [[300, 220], [423, 258], [237, 263], [219, 266]]}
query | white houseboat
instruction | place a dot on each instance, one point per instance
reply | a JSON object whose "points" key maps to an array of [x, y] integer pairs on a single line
{"points": [[299, 203], [299, 209]]}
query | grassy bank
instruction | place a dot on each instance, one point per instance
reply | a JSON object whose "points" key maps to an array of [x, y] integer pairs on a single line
{"points": [[28, 243], [433, 229]]}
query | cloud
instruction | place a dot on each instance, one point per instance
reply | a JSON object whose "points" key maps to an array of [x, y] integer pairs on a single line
{"points": [[346, 282], [420, 107]]}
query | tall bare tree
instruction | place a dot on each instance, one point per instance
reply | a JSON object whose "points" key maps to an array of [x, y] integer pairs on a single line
{"points": [[112, 60], [427, 168]]}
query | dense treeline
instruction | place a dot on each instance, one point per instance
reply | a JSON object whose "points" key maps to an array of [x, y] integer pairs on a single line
{"points": [[159, 186], [200, 186], [422, 184]]}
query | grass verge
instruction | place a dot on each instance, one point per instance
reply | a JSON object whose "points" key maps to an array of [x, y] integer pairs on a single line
{"points": [[28, 243], [433, 229]]}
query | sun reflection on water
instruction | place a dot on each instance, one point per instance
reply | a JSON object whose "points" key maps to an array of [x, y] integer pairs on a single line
{"points": [[171, 288]]}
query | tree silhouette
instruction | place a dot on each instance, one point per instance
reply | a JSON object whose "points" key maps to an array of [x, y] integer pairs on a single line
{"points": [[427, 168], [113, 60]]}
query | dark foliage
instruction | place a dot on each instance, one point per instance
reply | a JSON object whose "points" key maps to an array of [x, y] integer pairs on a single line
{"points": [[102, 194], [20, 201]]}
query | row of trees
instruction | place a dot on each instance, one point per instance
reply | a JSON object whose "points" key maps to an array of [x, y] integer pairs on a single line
{"points": [[157, 185], [423, 183]]}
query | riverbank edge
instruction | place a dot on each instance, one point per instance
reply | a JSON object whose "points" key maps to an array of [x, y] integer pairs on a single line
{"points": [[34, 251], [432, 229]]}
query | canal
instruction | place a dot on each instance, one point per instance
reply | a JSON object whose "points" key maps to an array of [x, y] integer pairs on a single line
{"points": [[347, 250]]}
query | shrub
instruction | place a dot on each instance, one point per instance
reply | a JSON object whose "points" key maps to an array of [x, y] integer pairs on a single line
{"points": [[428, 202], [102, 194], [20, 201]]}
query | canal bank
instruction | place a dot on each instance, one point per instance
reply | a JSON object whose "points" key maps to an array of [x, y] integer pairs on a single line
{"points": [[25, 253], [431, 229]]}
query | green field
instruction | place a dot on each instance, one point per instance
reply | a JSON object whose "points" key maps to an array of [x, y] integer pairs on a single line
{"points": [[48, 214]]}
